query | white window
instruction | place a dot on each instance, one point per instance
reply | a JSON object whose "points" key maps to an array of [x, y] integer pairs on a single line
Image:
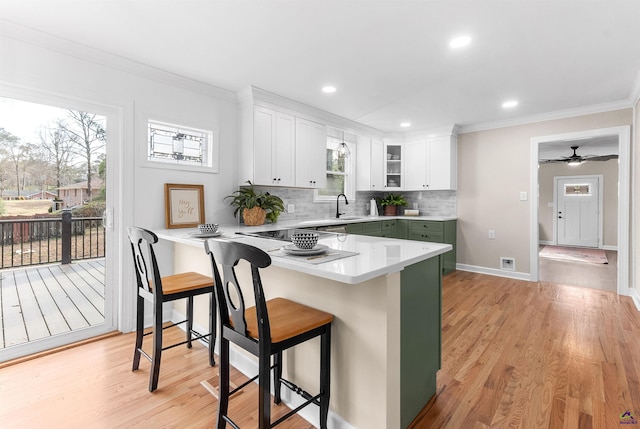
{"points": [[175, 145], [340, 171]]}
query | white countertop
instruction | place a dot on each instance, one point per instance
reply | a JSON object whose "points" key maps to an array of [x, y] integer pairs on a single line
{"points": [[376, 255]]}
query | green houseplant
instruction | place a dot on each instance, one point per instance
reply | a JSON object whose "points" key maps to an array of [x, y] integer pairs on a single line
{"points": [[255, 205], [391, 202]]}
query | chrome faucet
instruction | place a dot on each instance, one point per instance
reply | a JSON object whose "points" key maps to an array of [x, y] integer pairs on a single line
{"points": [[338, 204]]}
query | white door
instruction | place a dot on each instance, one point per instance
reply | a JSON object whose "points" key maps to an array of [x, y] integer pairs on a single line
{"points": [[578, 211]]}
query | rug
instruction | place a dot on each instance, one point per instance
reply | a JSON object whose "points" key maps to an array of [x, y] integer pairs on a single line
{"points": [[575, 254]]}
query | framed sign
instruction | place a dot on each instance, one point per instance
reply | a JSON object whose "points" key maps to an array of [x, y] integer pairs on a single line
{"points": [[184, 205]]}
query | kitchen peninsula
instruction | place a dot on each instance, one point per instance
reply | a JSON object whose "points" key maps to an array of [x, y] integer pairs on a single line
{"points": [[386, 300]]}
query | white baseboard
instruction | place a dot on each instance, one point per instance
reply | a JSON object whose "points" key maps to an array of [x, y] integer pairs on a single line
{"points": [[249, 367], [635, 296], [546, 243], [494, 272], [614, 248]]}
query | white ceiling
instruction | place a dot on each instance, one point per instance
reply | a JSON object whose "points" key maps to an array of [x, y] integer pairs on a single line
{"points": [[390, 60]]}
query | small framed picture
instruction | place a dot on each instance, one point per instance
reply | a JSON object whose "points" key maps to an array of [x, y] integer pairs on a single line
{"points": [[184, 205]]}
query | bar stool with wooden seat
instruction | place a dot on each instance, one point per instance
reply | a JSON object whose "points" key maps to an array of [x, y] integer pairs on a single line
{"points": [[158, 290], [283, 324]]}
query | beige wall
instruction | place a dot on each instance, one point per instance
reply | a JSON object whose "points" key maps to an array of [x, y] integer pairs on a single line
{"points": [[609, 170], [493, 168]]}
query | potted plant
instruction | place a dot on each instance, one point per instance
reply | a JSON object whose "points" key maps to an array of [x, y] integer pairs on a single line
{"points": [[390, 204], [255, 205]]}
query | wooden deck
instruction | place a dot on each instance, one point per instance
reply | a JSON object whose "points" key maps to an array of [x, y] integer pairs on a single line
{"points": [[47, 300]]}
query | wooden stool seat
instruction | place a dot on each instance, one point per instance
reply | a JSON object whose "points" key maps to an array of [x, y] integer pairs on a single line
{"points": [[283, 324], [183, 282], [158, 290], [287, 319]]}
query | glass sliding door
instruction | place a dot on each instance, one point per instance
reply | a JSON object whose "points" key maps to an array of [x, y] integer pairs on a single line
{"points": [[55, 213]]}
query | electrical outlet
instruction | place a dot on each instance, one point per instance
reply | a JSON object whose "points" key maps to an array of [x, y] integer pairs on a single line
{"points": [[291, 208], [492, 234], [415, 206]]}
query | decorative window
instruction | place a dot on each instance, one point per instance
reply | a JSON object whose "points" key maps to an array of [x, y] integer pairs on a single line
{"points": [[579, 189], [175, 145]]}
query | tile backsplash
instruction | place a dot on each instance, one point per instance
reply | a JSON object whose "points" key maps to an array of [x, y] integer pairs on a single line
{"points": [[430, 203]]}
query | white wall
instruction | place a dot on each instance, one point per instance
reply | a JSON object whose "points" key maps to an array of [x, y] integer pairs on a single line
{"points": [[42, 69], [635, 206]]}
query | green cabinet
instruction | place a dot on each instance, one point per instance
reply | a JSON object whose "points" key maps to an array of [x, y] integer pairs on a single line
{"points": [[436, 232], [365, 228], [388, 228], [418, 230]]}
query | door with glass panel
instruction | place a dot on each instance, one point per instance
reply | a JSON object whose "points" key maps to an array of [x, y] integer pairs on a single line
{"points": [[54, 225], [578, 211]]}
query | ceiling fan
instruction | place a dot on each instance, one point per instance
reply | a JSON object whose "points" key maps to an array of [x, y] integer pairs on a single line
{"points": [[576, 159]]}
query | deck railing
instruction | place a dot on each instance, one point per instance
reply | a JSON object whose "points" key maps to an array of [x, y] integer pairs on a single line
{"points": [[62, 239]]}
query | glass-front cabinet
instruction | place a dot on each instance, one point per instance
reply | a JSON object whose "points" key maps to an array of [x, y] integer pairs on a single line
{"points": [[394, 155]]}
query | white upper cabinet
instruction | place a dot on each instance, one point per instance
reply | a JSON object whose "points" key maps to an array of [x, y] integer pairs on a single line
{"points": [[273, 148], [394, 157], [430, 164], [377, 165], [311, 148], [369, 165]]}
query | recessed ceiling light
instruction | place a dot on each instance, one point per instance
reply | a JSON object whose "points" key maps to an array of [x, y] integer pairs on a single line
{"points": [[329, 89], [509, 104], [460, 42], [405, 124]]}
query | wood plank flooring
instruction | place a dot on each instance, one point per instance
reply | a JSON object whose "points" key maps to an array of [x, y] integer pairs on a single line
{"points": [[515, 355], [92, 386], [518, 354], [46, 300]]}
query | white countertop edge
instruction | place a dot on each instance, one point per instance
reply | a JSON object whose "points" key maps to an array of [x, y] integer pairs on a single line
{"points": [[182, 236]]}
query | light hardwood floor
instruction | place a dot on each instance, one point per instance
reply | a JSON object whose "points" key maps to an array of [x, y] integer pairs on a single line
{"points": [[519, 354], [515, 354], [92, 386]]}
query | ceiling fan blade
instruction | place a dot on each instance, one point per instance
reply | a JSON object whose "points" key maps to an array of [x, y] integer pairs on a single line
{"points": [[550, 161], [600, 157]]}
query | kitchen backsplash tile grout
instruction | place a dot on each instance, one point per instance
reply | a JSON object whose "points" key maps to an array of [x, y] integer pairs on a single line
{"points": [[430, 203]]}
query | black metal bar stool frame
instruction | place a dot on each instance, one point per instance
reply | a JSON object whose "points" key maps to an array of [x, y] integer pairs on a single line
{"points": [[233, 328], [150, 288]]}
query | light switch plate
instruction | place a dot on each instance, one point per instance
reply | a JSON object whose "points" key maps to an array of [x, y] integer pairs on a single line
{"points": [[523, 196]]}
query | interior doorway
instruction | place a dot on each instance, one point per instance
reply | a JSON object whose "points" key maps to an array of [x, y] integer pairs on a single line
{"points": [[622, 227]]}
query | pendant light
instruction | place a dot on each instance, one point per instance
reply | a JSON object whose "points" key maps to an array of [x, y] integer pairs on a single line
{"points": [[343, 149]]}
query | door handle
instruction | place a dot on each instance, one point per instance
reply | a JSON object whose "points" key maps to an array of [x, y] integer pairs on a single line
{"points": [[107, 219]]}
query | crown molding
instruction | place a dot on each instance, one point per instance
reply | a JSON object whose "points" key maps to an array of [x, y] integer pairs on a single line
{"points": [[76, 50], [254, 95], [559, 114]]}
